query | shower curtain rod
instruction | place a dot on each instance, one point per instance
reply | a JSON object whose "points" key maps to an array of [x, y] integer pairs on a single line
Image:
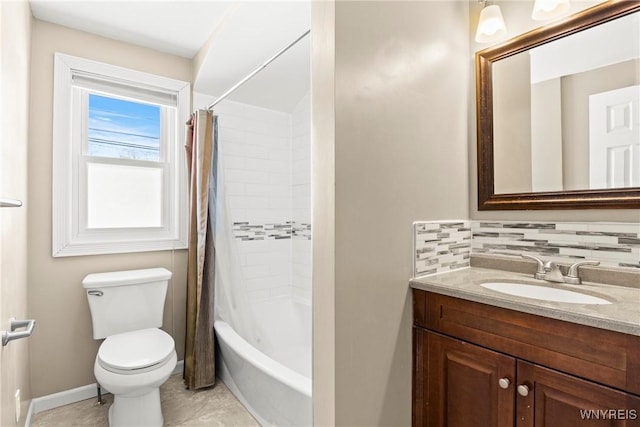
{"points": [[256, 71]]}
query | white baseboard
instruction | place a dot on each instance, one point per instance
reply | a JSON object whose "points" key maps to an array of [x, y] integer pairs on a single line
{"points": [[74, 395], [62, 398], [179, 367]]}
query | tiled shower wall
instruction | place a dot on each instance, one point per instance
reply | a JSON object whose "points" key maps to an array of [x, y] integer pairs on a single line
{"points": [[263, 157], [255, 144], [301, 184], [444, 245]]}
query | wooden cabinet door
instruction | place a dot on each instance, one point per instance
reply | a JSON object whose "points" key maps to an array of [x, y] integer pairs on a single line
{"points": [[456, 384], [555, 399]]}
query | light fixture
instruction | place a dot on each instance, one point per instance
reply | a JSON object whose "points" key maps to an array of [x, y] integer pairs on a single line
{"points": [[549, 9], [491, 25]]}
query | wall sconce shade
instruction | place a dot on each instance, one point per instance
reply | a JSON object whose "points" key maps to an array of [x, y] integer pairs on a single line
{"points": [[549, 9], [491, 24]]}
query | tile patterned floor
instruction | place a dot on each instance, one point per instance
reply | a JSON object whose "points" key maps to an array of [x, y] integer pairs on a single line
{"points": [[215, 407]]}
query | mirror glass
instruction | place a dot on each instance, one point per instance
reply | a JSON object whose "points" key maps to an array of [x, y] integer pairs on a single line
{"points": [[566, 114]]}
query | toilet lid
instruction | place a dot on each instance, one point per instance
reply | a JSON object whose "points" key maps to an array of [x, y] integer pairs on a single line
{"points": [[135, 350]]}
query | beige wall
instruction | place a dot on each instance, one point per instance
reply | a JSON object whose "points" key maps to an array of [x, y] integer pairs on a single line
{"points": [[62, 349], [15, 47], [400, 155], [517, 15], [546, 136], [512, 120]]}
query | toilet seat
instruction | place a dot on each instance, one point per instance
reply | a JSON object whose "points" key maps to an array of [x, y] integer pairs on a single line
{"points": [[136, 352]]}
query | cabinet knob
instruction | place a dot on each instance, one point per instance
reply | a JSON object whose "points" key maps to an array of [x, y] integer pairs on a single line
{"points": [[504, 383], [523, 390]]}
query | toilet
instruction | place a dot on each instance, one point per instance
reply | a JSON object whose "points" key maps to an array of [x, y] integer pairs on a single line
{"points": [[136, 357]]}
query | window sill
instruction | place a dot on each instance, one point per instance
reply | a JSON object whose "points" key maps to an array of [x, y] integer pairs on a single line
{"points": [[83, 249]]}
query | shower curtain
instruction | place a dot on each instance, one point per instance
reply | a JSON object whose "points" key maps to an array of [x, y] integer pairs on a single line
{"points": [[202, 152]]}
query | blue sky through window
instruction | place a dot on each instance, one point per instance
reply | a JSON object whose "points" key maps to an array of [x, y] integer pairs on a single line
{"points": [[123, 129]]}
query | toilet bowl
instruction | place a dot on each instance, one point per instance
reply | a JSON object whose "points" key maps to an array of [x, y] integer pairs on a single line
{"points": [[132, 366], [136, 357]]}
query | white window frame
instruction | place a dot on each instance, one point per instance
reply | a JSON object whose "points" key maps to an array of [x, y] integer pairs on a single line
{"points": [[70, 236]]}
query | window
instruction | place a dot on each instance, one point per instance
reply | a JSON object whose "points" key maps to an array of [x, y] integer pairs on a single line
{"points": [[123, 129], [119, 173]]}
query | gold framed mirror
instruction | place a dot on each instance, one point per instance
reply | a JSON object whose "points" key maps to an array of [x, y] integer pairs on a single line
{"points": [[549, 153]]}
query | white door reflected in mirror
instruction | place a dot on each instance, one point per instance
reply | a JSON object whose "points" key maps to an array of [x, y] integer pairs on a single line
{"points": [[614, 138]]}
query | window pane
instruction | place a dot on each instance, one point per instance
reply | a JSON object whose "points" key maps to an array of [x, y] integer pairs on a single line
{"points": [[123, 129], [123, 196]]}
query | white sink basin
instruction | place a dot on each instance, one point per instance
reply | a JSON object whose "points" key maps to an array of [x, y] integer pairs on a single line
{"points": [[543, 293]]}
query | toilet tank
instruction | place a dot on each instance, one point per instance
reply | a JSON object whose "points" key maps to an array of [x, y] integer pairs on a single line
{"points": [[124, 301]]}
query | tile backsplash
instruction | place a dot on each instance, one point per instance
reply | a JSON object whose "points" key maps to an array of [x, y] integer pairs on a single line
{"points": [[445, 245], [440, 246], [613, 244]]}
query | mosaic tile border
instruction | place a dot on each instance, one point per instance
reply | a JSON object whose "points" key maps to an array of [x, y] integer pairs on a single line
{"points": [[440, 246], [301, 230], [613, 244], [247, 231]]}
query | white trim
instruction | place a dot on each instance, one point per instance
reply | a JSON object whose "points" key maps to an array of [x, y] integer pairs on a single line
{"points": [[62, 398], [68, 238], [121, 73], [74, 395]]}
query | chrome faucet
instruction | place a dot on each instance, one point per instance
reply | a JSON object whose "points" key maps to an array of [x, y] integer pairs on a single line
{"points": [[550, 271]]}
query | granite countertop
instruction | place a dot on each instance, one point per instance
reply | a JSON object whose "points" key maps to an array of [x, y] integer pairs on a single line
{"points": [[622, 315]]}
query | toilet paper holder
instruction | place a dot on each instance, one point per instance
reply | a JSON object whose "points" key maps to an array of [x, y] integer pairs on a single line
{"points": [[29, 324]]}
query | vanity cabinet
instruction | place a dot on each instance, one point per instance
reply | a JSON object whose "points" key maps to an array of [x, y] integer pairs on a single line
{"points": [[462, 385], [479, 365]]}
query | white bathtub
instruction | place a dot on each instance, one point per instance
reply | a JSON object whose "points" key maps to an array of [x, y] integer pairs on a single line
{"points": [[274, 384]]}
